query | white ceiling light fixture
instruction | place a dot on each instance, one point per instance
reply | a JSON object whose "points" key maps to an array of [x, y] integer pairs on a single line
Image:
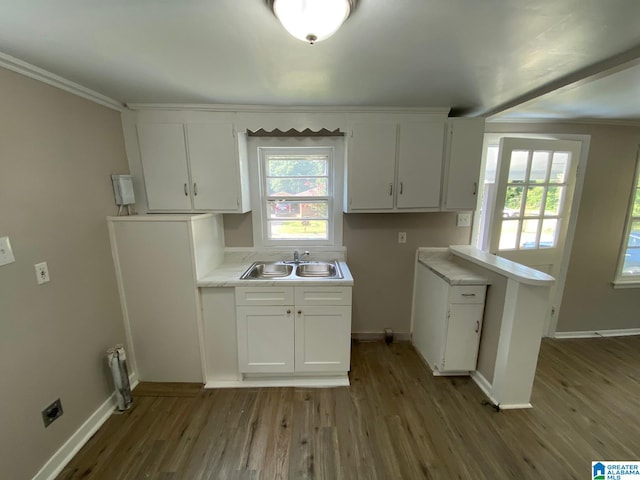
{"points": [[312, 20]]}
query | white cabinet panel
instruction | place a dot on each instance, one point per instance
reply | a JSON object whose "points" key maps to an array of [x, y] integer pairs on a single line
{"points": [[265, 339], [322, 295], [420, 165], [322, 339], [164, 164], [264, 295], [464, 155], [371, 166], [462, 337]]}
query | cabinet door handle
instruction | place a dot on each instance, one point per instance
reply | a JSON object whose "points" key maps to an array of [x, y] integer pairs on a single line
{"points": [[186, 190], [391, 189], [475, 188], [195, 188], [468, 294], [401, 188], [289, 312], [299, 312], [477, 326]]}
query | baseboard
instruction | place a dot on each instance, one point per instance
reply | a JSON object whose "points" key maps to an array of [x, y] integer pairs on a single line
{"points": [[379, 336], [623, 332], [306, 382], [63, 456]]}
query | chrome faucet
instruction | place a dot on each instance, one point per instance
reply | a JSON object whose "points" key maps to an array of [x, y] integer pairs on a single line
{"points": [[296, 255]]}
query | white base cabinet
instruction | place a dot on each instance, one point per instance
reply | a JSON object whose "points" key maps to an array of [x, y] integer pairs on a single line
{"points": [[293, 329], [447, 322]]}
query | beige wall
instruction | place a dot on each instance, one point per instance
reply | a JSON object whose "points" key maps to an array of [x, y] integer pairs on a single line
{"points": [[382, 268], [590, 302], [56, 154]]}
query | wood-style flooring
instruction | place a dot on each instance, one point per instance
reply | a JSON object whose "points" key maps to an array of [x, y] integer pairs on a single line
{"points": [[396, 421]]}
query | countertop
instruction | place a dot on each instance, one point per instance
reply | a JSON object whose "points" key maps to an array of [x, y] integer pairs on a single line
{"points": [[441, 262], [236, 263]]}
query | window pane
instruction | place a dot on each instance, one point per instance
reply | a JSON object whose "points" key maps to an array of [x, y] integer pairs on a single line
{"points": [[549, 233], [301, 210], [539, 167], [305, 187], [298, 229], [533, 203], [554, 201], [631, 264], [559, 167], [518, 166], [295, 166], [529, 233], [636, 204], [508, 234], [513, 202]]}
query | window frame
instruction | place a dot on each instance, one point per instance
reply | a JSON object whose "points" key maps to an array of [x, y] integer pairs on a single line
{"points": [[334, 148], [628, 281]]}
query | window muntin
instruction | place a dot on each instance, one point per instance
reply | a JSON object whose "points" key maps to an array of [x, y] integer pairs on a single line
{"points": [[535, 193], [629, 264], [296, 194]]}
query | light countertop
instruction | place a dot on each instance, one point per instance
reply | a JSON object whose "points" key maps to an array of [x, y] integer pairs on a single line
{"points": [[441, 262], [236, 263]]}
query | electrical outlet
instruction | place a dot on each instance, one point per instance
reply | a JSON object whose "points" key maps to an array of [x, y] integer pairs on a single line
{"points": [[52, 413], [464, 220], [42, 273], [6, 254], [402, 237]]}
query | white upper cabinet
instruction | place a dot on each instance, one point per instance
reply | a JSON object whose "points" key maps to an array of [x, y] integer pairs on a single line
{"points": [[194, 167], [394, 166], [462, 163]]}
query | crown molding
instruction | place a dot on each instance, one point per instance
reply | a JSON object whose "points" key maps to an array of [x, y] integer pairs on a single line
{"points": [[37, 73], [205, 107], [572, 121]]}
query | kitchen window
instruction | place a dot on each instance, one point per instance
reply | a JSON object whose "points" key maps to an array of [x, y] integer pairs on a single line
{"points": [[297, 183], [628, 272]]}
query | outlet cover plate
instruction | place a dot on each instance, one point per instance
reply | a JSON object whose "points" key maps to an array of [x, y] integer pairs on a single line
{"points": [[52, 413], [464, 220], [42, 273], [6, 254]]}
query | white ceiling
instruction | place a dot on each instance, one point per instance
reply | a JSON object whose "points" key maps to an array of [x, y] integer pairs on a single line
{"points": [[479, 57]]}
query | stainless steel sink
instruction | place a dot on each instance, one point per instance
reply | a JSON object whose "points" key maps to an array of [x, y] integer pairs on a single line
{"points": [[318, 269], [261, 270], [290, 270]]}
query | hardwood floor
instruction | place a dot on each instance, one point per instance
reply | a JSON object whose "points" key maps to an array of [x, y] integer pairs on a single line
{"points": [[396, 421]]}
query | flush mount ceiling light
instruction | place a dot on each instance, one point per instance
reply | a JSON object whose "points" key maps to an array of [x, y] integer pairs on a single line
{"points": [[312, 20]]}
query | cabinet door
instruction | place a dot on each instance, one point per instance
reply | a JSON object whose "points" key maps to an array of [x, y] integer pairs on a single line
{"points": [[462, 337], [214, 167], [420, 149], [323, 339], [371, 167], [464, 154], [265, 339], [164, 164]]}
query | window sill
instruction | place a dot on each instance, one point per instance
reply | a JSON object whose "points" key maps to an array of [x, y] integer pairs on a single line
{"points": [[626, 283]]}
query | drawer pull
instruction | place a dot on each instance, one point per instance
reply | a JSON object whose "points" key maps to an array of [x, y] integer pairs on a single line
{"points": [[468, 294], [288, 312], [477, 326]]}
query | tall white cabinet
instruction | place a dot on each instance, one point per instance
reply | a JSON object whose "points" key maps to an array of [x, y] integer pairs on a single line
{"points": [[157, 260], [194, 167]]}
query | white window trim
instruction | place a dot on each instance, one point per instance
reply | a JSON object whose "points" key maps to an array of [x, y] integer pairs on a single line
{"points": [[336, 144], [628, 281]]}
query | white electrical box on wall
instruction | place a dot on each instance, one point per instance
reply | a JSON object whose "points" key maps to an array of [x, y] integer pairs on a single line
{"points": [[123, 189]]}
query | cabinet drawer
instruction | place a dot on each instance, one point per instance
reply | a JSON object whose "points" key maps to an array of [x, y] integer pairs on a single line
{"points": [[264, 295], [467, 294], [323, 295]]}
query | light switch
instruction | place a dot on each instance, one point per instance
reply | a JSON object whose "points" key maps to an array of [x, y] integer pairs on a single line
{"points": [[6, 254]]}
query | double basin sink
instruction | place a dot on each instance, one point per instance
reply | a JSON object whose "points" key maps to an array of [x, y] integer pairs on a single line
{"points": [[289, 270]]}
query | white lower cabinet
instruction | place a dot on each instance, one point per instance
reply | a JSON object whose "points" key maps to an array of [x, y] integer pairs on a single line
{"points": [[276, 335], [447, 322]]}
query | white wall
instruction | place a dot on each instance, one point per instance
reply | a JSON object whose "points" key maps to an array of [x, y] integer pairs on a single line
{"points": [[56, 154]]}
